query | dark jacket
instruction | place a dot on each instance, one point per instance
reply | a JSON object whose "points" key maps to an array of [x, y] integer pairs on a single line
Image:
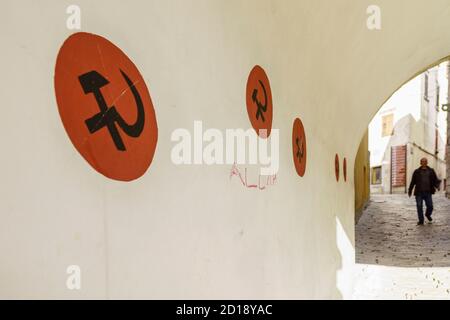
{"points": [[416, 183]]}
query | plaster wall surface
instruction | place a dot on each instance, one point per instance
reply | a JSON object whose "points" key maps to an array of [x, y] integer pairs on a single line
{"points": [[189, 231]]}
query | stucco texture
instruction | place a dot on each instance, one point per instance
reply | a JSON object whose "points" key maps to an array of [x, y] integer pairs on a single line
{"points": [[188, 231]]}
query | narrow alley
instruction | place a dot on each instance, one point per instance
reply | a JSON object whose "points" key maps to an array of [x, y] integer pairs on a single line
{"points": [[396, 259], [387, 234]]}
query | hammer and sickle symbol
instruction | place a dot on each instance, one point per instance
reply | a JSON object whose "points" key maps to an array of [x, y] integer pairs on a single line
{"points": [[300, 150], [92, 82], [261, 107]]}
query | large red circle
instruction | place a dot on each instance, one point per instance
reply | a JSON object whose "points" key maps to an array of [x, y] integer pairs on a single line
{"points": [[299, 147], [90, 69], [259, 102]]}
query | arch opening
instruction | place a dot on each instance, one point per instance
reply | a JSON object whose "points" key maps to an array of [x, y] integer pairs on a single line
{"points": [[411, 125]]}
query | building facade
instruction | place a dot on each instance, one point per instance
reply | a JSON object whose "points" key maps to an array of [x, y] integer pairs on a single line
{"points": [[409, 127], [447, 180]]}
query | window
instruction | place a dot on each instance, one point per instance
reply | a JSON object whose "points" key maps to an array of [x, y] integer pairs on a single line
{"points": [[387, 128], [376, 175]]}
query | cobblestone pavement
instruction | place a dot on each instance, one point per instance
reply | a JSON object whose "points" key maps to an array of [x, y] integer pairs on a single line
{"points": [[397, 259], [373, 282], [387, 233]]}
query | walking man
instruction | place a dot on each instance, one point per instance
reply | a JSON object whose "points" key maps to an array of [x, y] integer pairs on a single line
{"points": [[425, 183]]}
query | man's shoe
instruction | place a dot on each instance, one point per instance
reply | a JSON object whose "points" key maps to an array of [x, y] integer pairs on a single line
{"points": [[420, 223], [429, 218]]}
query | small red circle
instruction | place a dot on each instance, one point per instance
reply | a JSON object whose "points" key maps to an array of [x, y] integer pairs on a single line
{"points": [[105, 107], [259, 102], [336, 167], [345, 169], [299, 147]]}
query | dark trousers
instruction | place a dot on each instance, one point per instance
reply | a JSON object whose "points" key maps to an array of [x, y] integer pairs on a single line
{"points": [[420, 198]]}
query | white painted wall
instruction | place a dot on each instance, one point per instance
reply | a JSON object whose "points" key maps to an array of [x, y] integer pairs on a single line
{"points": [[190, 232]]}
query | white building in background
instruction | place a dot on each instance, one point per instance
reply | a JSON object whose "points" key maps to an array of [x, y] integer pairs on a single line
{"points": [[447, 109], [408, 127]]}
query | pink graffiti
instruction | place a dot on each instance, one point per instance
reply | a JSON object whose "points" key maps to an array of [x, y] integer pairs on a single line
{"points": [[269, 180]]}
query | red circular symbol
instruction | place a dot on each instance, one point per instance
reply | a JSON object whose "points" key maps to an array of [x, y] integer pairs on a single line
{"points": [[259, 102], [345, 169], [299, 150], [336, 167], [105, 107]]}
